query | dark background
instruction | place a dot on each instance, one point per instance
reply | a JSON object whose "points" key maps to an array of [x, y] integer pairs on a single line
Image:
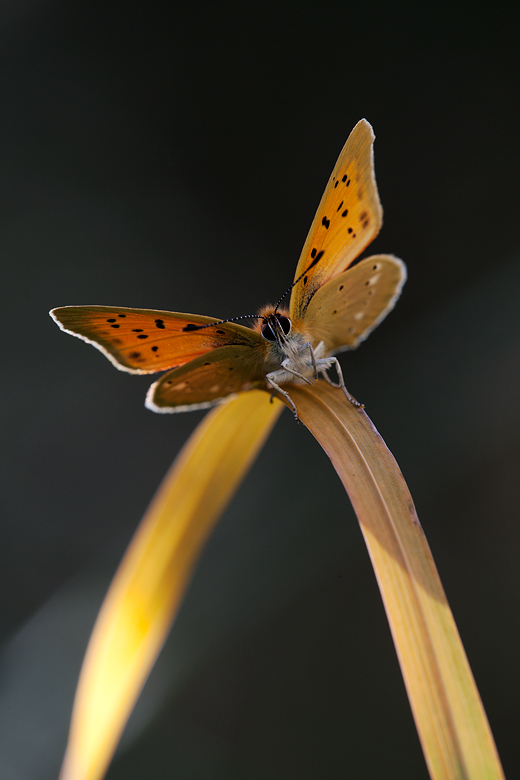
{"points": [[171, 156]]}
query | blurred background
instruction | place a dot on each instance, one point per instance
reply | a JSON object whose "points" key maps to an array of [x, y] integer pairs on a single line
{"points": [[172, 156]]}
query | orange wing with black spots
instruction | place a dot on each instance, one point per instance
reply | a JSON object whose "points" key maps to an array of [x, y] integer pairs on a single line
{"points": [[143, 341], [348, 219]]}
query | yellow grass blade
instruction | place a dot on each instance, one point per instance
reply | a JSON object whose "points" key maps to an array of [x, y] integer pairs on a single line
{"points": [[450, 719], [152, 578]]}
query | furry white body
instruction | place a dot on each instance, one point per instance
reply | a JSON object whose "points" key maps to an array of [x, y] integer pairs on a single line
{"points": [[293, 359]]}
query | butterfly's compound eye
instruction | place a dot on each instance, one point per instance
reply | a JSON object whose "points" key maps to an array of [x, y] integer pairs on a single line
{"points": [[267, 332], [285, 323]]}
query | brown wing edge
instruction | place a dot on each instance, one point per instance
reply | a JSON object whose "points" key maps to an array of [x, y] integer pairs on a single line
{"points": [[149, 403]]}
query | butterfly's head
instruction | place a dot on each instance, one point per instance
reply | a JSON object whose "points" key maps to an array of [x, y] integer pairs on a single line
{"points": [[273, 325]]}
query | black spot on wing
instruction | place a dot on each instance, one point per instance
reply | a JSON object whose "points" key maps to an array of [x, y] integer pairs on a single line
{"points": [[160, 324], [316, 260], [364, 219]]}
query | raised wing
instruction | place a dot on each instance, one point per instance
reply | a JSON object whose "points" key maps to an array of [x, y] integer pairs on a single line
{"points": [[346, 309], [208, 379], [348, 219], [143, 341]]}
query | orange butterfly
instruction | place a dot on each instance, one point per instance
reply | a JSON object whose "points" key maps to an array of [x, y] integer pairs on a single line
{"points": [[334, 305]]}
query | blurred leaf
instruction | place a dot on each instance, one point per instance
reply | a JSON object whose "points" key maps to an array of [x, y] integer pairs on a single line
{"points": [[152, 578]]}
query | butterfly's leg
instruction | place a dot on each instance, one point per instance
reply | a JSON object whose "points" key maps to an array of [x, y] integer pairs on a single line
{"points": [[293, 372], [313, 359], [327, 363], [284, 393]]}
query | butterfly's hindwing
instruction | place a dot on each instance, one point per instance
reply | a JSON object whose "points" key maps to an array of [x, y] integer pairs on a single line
{"points": [[208, 379], [347, 308]]}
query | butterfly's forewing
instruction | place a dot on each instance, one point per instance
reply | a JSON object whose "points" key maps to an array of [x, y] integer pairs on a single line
{"points": [[347, 308], [348, 219], [143, 341], [208, 379]]}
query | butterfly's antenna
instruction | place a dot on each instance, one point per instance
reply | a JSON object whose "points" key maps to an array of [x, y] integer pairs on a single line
{"points": [[314, 262], [192, 326]]}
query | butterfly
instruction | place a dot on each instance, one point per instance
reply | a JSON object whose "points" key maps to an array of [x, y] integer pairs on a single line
{"points": [[334, 304]]}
